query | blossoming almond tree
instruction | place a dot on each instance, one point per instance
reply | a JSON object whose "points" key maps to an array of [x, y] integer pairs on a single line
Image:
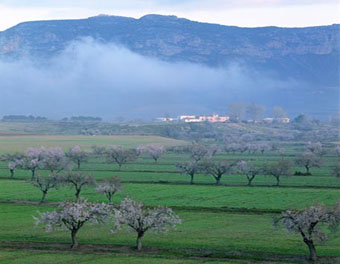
{"points": [[279, 169], [249, 170], [33, 158], [54, 160], [141, 219], [190, 168], [72, 216], [155, 151], [77, 155], [310, 223], [217, 168], [78, 181], [109, 187], [15, 161], [44, 184], [120, 155]]}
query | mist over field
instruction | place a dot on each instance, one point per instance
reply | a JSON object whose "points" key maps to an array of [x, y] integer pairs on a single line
{"points": [[92, 78]]}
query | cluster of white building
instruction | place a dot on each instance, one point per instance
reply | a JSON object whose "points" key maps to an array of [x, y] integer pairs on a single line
{"points": [[196, 119], [215, 118]]}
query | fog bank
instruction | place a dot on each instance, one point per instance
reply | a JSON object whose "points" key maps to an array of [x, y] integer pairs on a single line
{"points": [[91, 78]]}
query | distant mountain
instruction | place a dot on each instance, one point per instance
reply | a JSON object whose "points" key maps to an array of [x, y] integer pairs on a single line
{"points": [[310, 54]]}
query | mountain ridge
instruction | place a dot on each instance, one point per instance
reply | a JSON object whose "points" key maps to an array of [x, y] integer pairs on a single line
{"points": [[184, 25], [307, 55]]}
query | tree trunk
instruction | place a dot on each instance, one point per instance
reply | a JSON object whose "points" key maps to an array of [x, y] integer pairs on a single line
{"points": [[78, 162], [74, 238], [33, 174], [250, 179], [191, 179], [139, 240], [218, 180], [43, 197], [312, 251], [307, 169], [12, 173], [77, 195], [109, 196], [277, 181]]}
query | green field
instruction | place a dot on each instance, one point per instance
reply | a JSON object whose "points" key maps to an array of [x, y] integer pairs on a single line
{"points": [[231, 223], [10, 144]]}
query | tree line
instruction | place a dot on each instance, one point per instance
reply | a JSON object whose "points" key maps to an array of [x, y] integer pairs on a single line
{"points": [[201, 160]]}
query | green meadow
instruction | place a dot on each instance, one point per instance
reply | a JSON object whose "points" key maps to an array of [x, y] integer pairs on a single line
{"points": [[231, 223]]}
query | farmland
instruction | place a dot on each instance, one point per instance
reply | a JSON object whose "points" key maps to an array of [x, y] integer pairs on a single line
{"points": [[229, 223]]}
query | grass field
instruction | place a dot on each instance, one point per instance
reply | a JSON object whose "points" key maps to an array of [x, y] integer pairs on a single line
{"points": [[30, 257], [262, 198], [12, 144], [221, 224], [223, 233]]}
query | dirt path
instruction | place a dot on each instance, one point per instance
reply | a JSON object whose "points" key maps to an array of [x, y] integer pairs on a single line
{"points": [[177, 253]]}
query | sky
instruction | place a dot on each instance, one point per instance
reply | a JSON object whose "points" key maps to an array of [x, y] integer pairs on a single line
{"points": [[244, 13]]}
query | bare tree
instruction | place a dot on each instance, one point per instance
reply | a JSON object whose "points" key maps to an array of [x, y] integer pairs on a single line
{"points": [[308, 160], [72, 216], [77, 155], [198, 152], [44, 184], [109, 187], [248, 169], [78, 181], [120, 155], [189, 168], [155, 151], [141, 219], [216, 169], [309, 224], [279, 169]]}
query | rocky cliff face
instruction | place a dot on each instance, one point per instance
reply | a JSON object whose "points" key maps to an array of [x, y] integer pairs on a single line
{"points": [[289, 51], [172, 37]]}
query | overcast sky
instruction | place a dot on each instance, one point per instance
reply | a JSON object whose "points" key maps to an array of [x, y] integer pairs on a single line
{"points": [[249, 13]]}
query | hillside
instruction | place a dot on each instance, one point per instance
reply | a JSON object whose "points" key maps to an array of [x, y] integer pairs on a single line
{"points": [[307, 57], [293, 51]]}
